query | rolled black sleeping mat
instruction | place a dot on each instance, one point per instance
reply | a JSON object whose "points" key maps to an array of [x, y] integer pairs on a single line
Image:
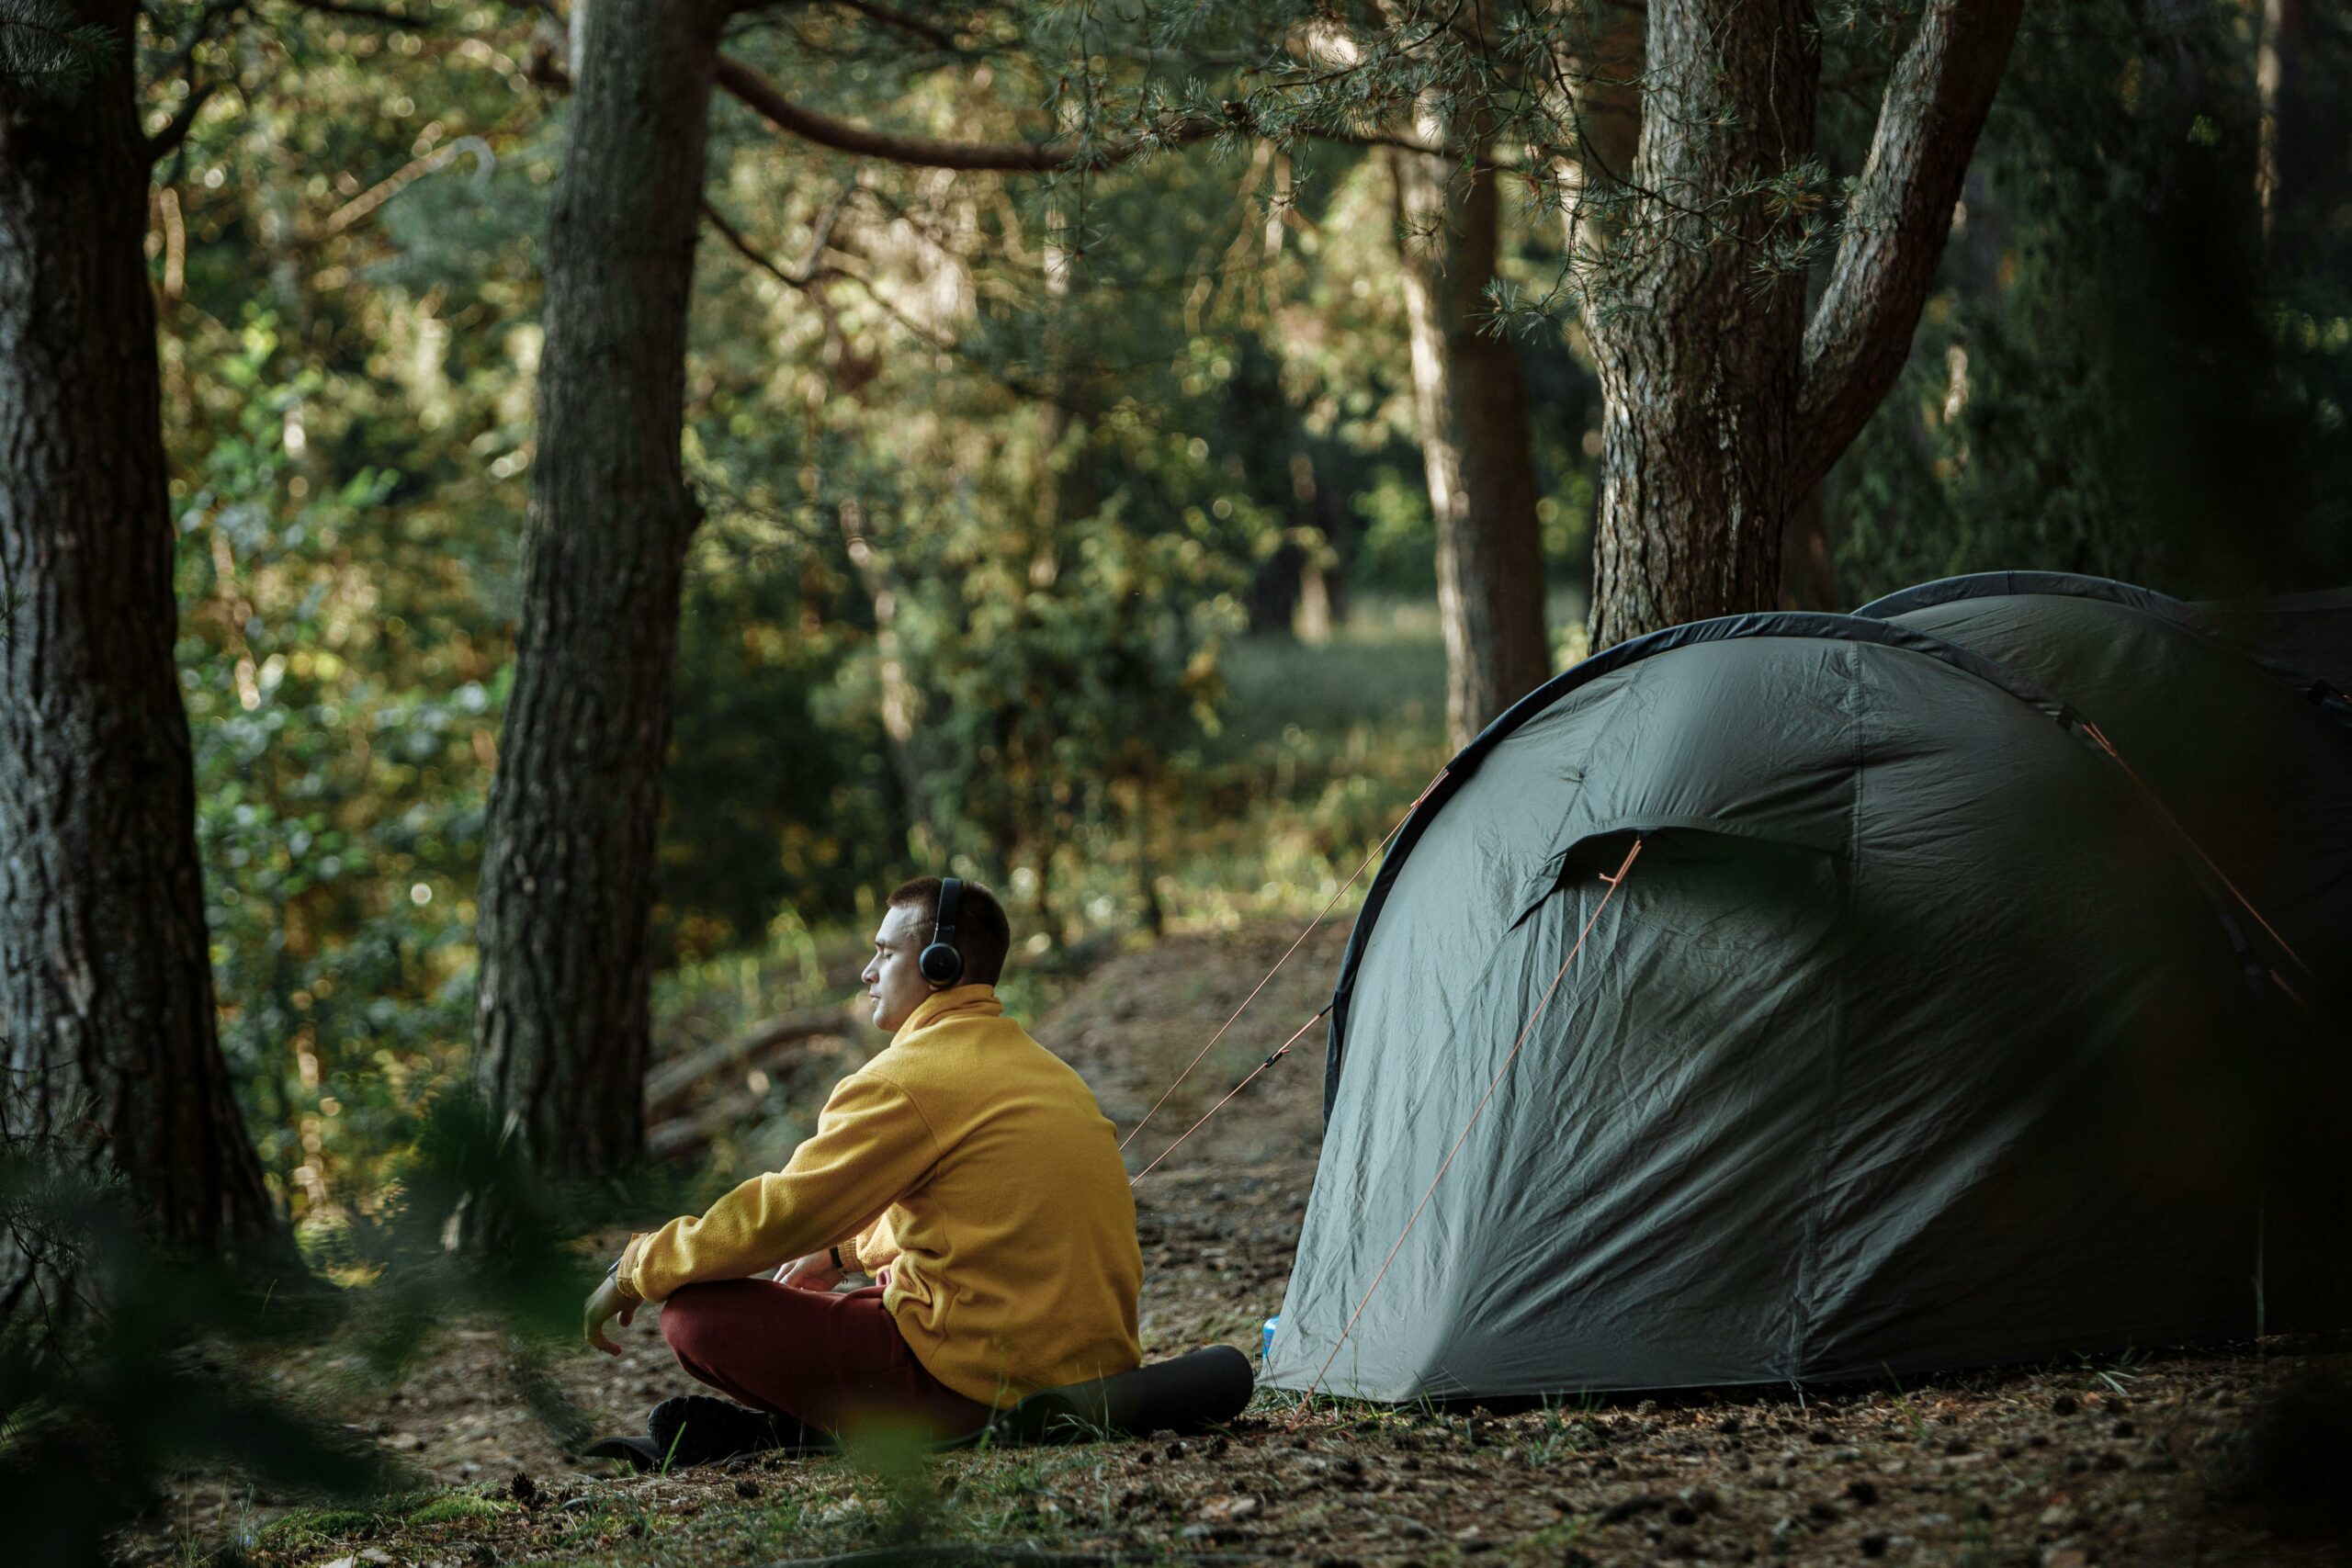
{"points": [[1183, 1395]]}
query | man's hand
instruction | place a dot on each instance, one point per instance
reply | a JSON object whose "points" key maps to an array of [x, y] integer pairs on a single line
{"points": [[814, 1272], [605, 1303]]}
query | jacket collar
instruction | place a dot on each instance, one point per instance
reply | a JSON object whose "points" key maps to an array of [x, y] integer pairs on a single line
{"points": [[967, 1001]]}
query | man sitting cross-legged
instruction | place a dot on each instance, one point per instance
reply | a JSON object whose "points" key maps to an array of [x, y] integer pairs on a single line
{"points": [[965, 1168]]}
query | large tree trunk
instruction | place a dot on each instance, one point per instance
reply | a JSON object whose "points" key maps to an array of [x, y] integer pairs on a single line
{"points": [[1595, 92], [1700, 358], [568, 876], [1724, 405], [1471, 401], [105, 981]]}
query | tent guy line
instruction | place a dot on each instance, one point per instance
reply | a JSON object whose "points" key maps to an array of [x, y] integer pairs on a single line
{"points": [[1333, 903], [2220, 875], [1280, 1051], [1526, 1029]]}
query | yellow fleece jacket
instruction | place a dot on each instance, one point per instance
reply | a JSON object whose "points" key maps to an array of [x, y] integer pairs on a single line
{"points": [[977, 1166]]}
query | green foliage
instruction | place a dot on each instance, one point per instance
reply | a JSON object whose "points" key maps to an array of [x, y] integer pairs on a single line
{"points": [[467, 1229], [780, 801], [897, 1461], [345, 486], [340, 806], [43, 49], [1344, 345], [102, 1410], [317, 1526], [1057, 682], [2114, 377]]}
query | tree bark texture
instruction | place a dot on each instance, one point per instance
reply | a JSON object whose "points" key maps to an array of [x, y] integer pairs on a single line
{"points": [[106, 979], [1700, 356], [1936, 98], [1724, 406], [1596, 92], [568, 876], [1476, 444]]}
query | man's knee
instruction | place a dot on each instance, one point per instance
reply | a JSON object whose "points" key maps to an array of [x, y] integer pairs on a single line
{"points": [[695, 1319]]}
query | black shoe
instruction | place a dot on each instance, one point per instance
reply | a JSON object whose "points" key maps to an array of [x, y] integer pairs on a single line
{"points": [[694, 1428]]}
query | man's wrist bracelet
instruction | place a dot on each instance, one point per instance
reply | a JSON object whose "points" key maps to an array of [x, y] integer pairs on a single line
{"points": [[836, 1251]]}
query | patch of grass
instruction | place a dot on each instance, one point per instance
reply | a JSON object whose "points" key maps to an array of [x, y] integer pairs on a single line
{"points": [[459, 1508], [320, 1526], [1564, 1431], [1276, 1403], [1279, 692], [1916, 1423], [1549, 1545], [312, 1526], [2111, 1374]]}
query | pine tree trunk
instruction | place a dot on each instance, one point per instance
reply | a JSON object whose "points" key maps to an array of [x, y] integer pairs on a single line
{"points": [[1323, 577], [1724, 405], [1598, 55], [1701, 357], [106, 979], [1476, 443], [568, 877]]}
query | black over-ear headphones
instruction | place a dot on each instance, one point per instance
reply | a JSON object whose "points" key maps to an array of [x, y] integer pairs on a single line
{"points": [[942, 962]]}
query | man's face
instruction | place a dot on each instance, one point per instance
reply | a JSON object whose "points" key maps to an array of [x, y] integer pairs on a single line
{"points": [[892, 982]]}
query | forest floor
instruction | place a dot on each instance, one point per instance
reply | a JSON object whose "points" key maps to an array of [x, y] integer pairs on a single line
{"points": [[2097, 1462]]}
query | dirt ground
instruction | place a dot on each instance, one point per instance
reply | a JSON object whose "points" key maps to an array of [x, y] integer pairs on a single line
{"points": [[2109, 1462]]}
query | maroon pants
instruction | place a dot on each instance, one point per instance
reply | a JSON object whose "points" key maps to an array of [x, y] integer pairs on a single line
{"points": [[830, 1361]]}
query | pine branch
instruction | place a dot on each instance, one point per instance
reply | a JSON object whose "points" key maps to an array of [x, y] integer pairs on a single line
{"points": [[1897, 222], [368, 14], [37, 54], [166, 141], [760, 94], [810, 270], [383, 190]]}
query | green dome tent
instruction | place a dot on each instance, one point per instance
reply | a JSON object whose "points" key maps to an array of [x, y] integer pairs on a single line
{"points": [[1915, 1037]]}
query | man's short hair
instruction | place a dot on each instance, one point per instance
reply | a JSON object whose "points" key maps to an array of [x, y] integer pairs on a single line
{"points": [[982, 933]]}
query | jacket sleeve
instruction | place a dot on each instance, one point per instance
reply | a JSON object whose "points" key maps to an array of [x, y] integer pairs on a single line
{"points": [[871, 1145], [873, 1248]]}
